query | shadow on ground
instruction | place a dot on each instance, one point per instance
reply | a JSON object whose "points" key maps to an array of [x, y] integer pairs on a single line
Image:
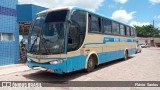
{"points": [[46, 76]]}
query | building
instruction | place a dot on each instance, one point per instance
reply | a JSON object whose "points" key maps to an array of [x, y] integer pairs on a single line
{"points": [[25, 16], [9, 47], [142, 40], [150, 41], [15, 20], [156, 42]]}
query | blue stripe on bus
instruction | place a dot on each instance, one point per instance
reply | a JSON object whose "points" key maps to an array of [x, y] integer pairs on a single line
{"points": [[111, 39], [78, 62]]}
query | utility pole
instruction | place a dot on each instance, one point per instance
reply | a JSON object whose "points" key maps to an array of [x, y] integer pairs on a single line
{"points": [[153, 37]]}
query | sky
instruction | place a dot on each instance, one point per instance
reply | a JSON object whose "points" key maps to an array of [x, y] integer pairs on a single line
{"points": [[131, 12]]}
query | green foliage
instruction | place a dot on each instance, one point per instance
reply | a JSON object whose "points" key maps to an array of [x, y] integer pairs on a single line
{"points": [[147, 31]]}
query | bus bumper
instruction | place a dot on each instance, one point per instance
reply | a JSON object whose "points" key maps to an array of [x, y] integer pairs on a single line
{"points": [[54, 68]]}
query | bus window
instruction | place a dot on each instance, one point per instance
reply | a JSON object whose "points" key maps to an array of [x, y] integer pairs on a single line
{"points": [[134, 32], [107, 26], [115, 28], [95, 24], [122, 30], [131, 30], [57, 16], [77, 30], [127, 31]]}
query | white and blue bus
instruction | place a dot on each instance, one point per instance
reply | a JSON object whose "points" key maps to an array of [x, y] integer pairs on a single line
{"points": [[68, 39]]}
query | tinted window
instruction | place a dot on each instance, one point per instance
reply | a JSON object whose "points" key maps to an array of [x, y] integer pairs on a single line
{"points": [[115, 28], [122, 29], [127, 31], [95, 24], [77, 30], [107, 26], [132, 32], [56, 16]]}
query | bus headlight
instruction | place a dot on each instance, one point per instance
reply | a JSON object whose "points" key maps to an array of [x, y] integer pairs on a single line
{"points": [[56, 62]]}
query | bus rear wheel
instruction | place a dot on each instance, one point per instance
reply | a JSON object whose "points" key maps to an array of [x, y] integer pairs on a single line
{"points": [[90, 64]]}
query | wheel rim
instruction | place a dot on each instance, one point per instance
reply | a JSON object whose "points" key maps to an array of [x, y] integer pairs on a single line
{"points": [[91, 64]]}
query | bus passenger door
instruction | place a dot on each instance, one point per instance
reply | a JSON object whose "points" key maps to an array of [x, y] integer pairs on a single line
{"points": [[76, 36]]}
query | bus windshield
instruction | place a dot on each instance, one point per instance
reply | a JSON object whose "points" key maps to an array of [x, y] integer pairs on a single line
{"points": [[48, 33]]}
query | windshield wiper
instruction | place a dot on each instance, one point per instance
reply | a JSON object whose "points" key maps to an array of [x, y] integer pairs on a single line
{"points": [[34, 42]]}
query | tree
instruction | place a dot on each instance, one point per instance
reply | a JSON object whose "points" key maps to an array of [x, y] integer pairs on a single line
{"points": [[147, 31]]}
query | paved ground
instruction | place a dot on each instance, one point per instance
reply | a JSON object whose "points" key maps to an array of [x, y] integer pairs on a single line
{"points": [[144, 66]]}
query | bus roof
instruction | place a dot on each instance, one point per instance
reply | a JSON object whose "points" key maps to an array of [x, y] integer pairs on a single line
{"points": [[79, 8]]}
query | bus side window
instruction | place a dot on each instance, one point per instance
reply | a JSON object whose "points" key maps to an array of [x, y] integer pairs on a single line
{"points": [[115, 28], [122, 30], [107, 26], [94, 24], [127, 31], [134, 32], [131, 30]]}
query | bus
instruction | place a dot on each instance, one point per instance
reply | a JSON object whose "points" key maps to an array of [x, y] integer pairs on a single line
{"points": [[67, 39]]}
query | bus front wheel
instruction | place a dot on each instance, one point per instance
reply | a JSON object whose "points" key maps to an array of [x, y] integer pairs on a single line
{"points": [[90, 64]]}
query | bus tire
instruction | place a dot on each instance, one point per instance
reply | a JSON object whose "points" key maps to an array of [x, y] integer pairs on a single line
{"points": [[90, 64], [126, 55]]}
